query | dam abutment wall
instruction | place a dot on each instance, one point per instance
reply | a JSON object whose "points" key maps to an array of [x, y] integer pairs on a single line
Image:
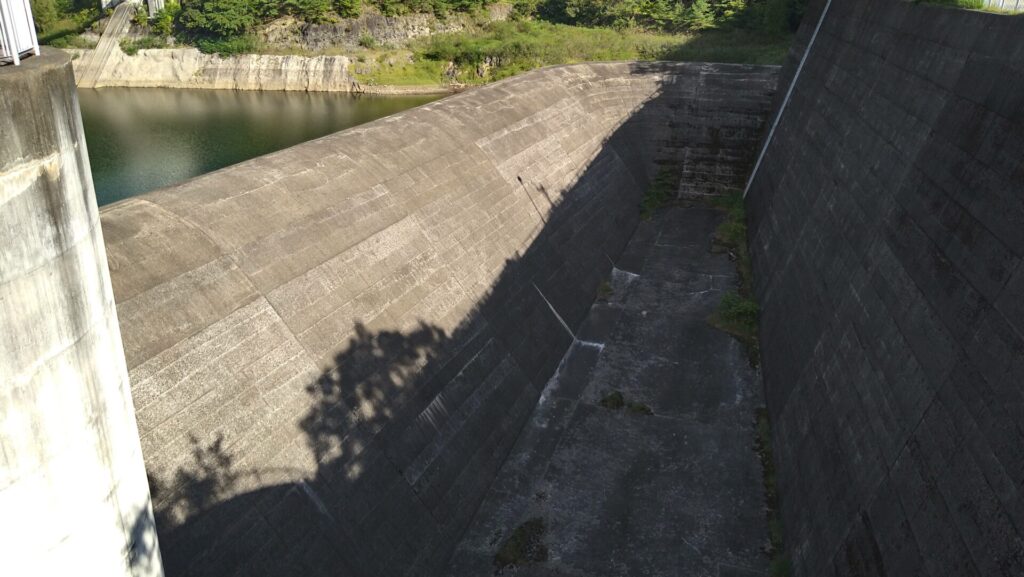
{"points": [[333, 348], [886, 230], [72, 483]]}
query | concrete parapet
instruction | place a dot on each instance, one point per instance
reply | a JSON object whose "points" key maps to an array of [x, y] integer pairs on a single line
{"points": [[73, 492]]}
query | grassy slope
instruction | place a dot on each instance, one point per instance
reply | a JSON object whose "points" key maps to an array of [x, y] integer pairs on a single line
{"points": [[503, 49]]}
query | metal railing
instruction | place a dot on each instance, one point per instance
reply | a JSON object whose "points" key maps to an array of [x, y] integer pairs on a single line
{"points": [[17, 31], [1006, 5]]}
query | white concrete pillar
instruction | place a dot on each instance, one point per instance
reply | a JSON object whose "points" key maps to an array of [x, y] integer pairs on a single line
{"points": [[74, 499]]}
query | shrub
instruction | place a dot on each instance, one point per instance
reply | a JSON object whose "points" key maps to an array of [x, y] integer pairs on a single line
{"points": [[131, 46], [347, 8], [698, 16], [367, 41], [740, 311], [164, 20], [72, 41], [142, 17], [228, 46], [309, 10]]}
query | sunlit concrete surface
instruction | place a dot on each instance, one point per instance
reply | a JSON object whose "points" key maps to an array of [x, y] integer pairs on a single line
{"points": [[73, 492]]}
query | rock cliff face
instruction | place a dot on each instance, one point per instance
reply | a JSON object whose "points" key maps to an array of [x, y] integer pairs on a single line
{"points": [[395, 31], [190, 68]]}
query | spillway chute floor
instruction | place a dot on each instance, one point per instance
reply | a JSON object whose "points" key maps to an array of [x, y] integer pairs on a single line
{"points": [[639, 459]]}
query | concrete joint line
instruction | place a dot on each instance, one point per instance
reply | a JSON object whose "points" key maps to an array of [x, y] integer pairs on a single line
{"points": [[785, 101]]}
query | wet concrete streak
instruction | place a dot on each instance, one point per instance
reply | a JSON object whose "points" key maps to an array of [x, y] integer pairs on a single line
{"points": [[676, 493]]}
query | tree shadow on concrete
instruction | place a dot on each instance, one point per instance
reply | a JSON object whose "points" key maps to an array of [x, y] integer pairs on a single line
{"points": [[410, 427], [303, 528], [367, 373]]}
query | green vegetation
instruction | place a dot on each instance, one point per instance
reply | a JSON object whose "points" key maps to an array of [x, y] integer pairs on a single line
{"points": [[735, 46], [162, 23], [968, 4], [540, 33], [604, 291], [59, 22], [501, 49], [72, 41], [737, 314], [524, 546], [367, 41], [131, 46], [731, 236], [399, 68], [615, 401], [660, 192], [228, 46], [779, 565], [767, 16]]}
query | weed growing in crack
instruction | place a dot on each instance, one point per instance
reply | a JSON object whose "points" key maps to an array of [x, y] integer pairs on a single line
{"points": [[616, 401]]}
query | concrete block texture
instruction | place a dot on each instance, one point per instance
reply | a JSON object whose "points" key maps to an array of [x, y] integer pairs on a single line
{"points": [[887, 233], [333, 348], [73, 491]]}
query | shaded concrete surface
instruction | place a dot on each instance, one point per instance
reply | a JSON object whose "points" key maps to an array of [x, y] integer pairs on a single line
{"points": [[887, 240], [678, 492]]}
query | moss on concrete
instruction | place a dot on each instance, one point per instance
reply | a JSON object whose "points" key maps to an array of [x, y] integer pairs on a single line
{"points": [[780, 564], [523, 547], [738, 312], [661, 191], [616, 401]]}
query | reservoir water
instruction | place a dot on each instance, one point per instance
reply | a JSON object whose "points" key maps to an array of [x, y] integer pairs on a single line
{"points": [[141, 139]]}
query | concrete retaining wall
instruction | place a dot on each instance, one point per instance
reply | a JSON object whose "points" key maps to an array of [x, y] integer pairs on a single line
{"points": [[332, 348], [887, 229], [190, 68], [73, 495]]}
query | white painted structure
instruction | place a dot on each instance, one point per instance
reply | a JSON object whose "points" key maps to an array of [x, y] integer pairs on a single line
{"points": [[17, 31], [155, 6]]}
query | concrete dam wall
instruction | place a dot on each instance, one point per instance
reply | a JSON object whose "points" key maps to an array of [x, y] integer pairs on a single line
{"points": [[333, 348], [887, 230]]}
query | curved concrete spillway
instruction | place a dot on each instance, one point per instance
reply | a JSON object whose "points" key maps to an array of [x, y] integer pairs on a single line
{"points": [[332, 348]]}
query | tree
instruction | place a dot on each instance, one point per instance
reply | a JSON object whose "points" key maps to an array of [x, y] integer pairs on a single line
{"points": [[347, 8], [45, 13], [699, 16], [309, 10], [218, 17], [163, 20]]}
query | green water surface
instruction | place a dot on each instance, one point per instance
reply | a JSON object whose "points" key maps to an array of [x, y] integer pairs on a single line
{"points": [[141, 139]]}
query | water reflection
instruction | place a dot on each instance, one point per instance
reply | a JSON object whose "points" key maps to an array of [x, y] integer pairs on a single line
{"points": [[141, 139]]}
